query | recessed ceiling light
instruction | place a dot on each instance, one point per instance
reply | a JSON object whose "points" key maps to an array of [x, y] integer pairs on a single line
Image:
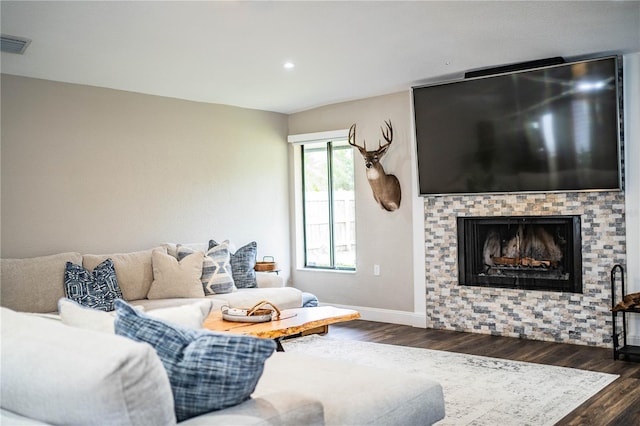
{"points": [[289, 65]]}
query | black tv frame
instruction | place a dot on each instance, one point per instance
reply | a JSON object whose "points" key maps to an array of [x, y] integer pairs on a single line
{"points": [[539, 64]]}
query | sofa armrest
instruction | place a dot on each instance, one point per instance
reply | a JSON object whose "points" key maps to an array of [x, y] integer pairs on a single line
{"points": [[115, 380], [269, 279]]}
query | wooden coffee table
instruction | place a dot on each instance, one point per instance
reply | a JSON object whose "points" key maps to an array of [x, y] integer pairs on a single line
{"points": [[291, 322]]}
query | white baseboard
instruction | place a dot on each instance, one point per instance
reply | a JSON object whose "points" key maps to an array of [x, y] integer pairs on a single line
{"points": [[390, 316]]}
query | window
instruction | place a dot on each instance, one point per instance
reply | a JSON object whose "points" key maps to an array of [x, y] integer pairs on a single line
{"points": [[328, 205]]}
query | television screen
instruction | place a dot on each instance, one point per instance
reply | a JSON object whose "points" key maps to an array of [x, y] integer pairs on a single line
{"points": [[554, 128]]}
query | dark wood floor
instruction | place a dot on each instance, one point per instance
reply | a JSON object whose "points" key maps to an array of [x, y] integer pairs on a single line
{"points": [[617, 404]]}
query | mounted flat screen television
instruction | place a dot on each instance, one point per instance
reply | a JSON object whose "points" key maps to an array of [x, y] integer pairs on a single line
{"points": [[553, 128]]}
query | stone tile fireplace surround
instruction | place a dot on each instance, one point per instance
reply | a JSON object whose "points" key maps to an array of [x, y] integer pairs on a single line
{"points": [[579, 318]]}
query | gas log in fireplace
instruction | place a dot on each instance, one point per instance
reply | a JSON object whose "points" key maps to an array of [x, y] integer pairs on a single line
{"points": [[521, 252]]}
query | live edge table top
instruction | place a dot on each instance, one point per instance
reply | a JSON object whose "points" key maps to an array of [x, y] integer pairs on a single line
{"points": [[294, 321]]}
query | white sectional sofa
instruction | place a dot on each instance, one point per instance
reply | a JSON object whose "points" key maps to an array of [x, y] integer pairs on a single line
{"points": [[36, 284], [56, 374], [61, 375]]}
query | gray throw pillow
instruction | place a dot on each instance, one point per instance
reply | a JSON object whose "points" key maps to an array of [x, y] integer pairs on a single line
{"points": [[97, 289], [208, 371], [217, 277], [242, 263]]}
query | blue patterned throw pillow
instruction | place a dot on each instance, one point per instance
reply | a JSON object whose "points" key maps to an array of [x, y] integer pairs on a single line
{"points": [[242, 263], [97, 289], [208, 371]]}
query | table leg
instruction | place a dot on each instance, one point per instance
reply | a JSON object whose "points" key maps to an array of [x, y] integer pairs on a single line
{"points": [[279, 347]]}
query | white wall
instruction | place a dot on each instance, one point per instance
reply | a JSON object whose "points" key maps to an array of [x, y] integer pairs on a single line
{"points": [[383, 238], [97, 170]]}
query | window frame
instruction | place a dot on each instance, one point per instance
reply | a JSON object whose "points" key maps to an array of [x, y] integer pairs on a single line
{"points": [[329, 138]]}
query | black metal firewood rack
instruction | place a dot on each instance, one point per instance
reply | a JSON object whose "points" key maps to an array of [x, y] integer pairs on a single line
{"points": [[621, 348]]}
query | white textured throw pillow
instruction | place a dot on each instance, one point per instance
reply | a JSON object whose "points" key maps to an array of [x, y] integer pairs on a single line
{"points": [[76, 315], [191, 316], [173, 278]]}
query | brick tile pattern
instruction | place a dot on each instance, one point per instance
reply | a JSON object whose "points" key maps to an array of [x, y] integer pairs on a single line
{"points": [[539, 315]]}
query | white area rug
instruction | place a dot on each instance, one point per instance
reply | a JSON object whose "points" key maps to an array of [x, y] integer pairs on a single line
{"points": [[477, 390]]}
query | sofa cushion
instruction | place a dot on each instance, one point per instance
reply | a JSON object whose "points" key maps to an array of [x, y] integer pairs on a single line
{"points": [[282, 297], [242, 263], [288, 408], [65, 375], [207, 371], [34, 284], [364, 395], [134, 271], [173, 278], [216, 277], [152, 304], [73, 314], [95, 289]]}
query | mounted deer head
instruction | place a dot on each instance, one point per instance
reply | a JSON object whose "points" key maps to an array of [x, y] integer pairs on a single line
{"points": [[386, 188]]}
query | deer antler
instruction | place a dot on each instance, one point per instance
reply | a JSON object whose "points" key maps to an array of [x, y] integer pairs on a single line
{"points": [[352, 139], [387, 135]]}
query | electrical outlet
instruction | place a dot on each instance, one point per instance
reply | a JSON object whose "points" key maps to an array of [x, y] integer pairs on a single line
{"points": [[376, 270]]}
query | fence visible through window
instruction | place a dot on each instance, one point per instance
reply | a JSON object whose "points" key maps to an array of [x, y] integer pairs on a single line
{"points": [[317, 227]]}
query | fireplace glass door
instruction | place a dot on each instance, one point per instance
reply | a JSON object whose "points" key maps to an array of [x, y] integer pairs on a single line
{"points": [[521, 252]]}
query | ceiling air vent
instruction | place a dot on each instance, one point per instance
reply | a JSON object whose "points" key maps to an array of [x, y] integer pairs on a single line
{"points": [[14, 44]]}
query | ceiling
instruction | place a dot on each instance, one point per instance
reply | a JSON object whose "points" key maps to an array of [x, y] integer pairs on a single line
{"points": [[232, 52]]}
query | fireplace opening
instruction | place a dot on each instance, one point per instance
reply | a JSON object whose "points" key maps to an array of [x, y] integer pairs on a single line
{"points": [[521, 252]]}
